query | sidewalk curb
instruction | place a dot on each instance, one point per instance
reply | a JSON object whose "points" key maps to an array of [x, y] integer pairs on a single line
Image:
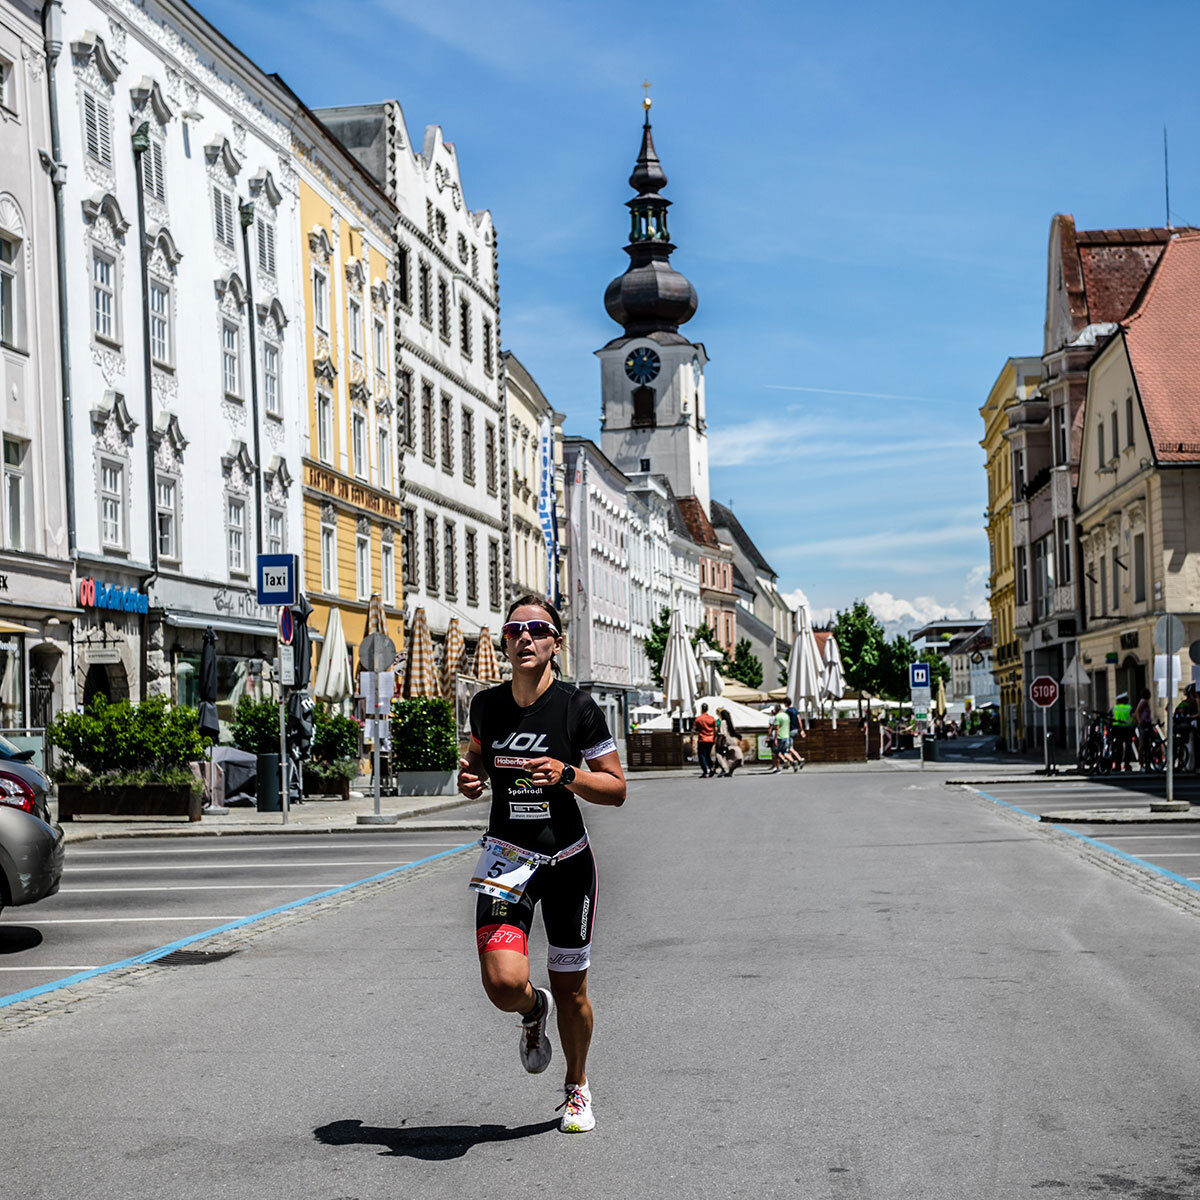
{"points": [[78, 832]]}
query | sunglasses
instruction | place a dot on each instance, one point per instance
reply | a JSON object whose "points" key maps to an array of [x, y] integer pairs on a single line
{"points": [[537, 629]]}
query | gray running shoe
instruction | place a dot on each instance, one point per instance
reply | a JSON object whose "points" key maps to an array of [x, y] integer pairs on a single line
{"points": [[535, 1045]]}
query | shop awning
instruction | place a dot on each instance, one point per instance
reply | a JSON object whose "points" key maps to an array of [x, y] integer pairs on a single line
{"points": [[187, 620], [13, 627]]}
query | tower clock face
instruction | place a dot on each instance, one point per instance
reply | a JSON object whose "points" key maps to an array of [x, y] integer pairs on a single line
{"points": [[642, 365]]}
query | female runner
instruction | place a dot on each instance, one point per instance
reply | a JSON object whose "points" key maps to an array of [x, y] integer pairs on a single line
{"points": [[528, 737]]}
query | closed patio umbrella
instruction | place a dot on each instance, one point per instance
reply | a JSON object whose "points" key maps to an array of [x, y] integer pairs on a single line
{"points": [[680, 669], [452, 659], [333, 682], [208, 724], [420, 677], [805, 675], [487, 663]]}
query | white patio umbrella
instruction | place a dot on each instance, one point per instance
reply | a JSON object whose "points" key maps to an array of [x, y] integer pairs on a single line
{"points": [[805, 676], [680, 670], [834, 683], [333, 681]]}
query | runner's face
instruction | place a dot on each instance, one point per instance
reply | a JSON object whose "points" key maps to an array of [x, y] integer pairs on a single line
{"points": [[525, 652]]}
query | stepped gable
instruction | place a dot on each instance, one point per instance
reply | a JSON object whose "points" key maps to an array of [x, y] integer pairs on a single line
{"points": [[1164, 351]]}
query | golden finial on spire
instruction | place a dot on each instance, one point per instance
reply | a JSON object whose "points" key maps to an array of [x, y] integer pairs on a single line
{"points": [[646, 101]]}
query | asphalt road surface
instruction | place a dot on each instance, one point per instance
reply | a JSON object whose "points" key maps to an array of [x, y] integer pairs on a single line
{"points": [[125, 896], [835, 985]]}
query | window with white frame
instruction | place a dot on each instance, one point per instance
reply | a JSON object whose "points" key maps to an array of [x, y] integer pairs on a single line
{"points": [[154, 180], [493, 573], [404, 405], [265, 237], [1065, 551], [328, 557], [160, 323], [104, 296], [408, 547], [223, 223], [166, 494], [231, 358], [431, 553], [271, 378], [276, 543], [403, 286], [450, 555], [467, 422], [355, 328], [486, 341], [97, 128], [324, 428], [362, 565], [472, 567], [464, 326], [320, 301], [1139, 568], [358, 441], [380, 347], [6, 85], [112, 504], [235, 534], [14, 494], [385, 459], [10, 290], [387, 573], [443, 309]]}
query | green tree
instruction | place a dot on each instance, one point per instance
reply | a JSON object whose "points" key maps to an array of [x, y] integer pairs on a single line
{"points": [[254, 726], [895, 659], [656, 644], [863, 647], [746, 667]]}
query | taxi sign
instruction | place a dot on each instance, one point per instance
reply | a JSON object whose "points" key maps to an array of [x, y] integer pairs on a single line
{"points": [[276, 576]]}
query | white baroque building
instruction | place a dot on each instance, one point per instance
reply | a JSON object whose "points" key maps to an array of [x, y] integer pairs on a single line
{"points": [[186, 367], [456, 556]]}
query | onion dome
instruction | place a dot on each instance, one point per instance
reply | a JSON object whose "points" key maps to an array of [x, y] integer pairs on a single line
{"points": [[651, 297]]}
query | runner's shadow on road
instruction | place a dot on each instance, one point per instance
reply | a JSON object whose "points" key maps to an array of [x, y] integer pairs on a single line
{"points": [[16, 938], [435, 1143]]}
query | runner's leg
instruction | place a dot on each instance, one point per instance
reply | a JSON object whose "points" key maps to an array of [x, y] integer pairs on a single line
{"points": [[575, 1020], [502, 938]]}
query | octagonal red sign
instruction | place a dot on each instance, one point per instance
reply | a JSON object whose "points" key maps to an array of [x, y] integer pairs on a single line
{"points": [[1043, 691]]}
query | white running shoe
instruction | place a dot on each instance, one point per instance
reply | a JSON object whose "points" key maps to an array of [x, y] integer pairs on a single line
{"points": [[579, 1117], [535, 1045]]}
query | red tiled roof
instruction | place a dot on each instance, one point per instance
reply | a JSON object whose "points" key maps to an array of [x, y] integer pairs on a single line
{"points": [[1164, 352], [698, 525], [1104, 270]]}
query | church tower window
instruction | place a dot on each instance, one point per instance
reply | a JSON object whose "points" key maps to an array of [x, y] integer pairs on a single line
{"points": [[643, 408]]}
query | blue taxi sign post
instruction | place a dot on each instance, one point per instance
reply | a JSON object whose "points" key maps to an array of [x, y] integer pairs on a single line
{"points": [[276, 577]]}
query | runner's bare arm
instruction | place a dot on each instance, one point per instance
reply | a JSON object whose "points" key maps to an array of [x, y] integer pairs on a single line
{"points": [[472, 772], [602, 783]]}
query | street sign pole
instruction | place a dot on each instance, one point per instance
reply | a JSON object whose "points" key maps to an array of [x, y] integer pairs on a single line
{"points": [[1170, 730], [283, 753], [1045, 741]]}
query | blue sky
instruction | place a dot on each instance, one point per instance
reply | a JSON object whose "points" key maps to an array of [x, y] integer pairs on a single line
{"points": [[862, 197]]}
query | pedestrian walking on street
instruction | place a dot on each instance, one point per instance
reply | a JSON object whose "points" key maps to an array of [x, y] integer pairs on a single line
{"points": [[1143, 720], [706, 735], [1122, 719], [728, 748], [798, 732], [527, 737]]}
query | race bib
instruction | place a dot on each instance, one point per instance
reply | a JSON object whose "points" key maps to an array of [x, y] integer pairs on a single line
{"points": [[502, 871]]}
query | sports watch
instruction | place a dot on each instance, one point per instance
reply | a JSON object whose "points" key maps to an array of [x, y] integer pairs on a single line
{"points": [[568, 775]]}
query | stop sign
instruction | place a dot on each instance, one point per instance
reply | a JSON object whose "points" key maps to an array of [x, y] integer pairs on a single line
{"points": [[1043, 691]]}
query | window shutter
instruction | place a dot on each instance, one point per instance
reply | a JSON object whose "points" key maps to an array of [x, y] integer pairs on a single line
{"points": [[266, 246], [156, 181], [104, 125], [218, 216], [91, 130]]}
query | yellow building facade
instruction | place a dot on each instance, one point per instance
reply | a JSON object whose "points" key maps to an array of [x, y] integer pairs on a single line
{"points": [[1018, 379], [351, 487]]}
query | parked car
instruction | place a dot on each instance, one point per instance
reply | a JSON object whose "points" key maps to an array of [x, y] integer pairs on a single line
{"points": [[31, 844], [11, 753]]}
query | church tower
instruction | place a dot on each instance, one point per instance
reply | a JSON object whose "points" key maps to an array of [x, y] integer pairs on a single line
{"points": [[652, 378]]}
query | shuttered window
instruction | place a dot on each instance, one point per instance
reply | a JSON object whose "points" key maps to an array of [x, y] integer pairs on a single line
{"points": [[266, 246], [153, 177], [97, 128], [223, 217]]}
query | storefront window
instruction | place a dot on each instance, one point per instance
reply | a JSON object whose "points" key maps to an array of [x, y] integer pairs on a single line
{"points": [[236, 677], [12, 682]]}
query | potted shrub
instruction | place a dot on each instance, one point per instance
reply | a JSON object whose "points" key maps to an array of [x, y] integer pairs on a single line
{"points": [[128, 760], [336, 743], [424, 746]]}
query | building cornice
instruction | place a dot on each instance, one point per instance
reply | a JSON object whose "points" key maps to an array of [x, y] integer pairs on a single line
{"points": [[428, 359], [429, 496]]}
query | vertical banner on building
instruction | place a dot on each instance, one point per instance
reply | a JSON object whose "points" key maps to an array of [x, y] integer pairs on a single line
{"points": [[546, 507], [576, 547]]}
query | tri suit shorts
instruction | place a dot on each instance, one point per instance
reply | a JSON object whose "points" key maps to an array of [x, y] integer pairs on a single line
{"points": [[567, 893]]}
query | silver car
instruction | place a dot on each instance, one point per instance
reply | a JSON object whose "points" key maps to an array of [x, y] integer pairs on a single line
{"points": [[31, 844]]}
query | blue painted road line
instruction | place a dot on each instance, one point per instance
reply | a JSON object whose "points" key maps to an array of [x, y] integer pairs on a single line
{"points": [[150, 956], [1083, 837]]}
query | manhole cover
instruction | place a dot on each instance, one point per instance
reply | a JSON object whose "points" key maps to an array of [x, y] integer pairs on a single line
{"points": [[192, 958]]}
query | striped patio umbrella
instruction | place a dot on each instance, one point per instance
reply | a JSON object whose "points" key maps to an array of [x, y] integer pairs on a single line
{"points": [[376, 617], [487, 665], [420, 678], [452, 663]]}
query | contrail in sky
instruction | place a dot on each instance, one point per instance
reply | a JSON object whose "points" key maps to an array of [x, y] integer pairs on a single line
{"points": [[786, 387]]}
